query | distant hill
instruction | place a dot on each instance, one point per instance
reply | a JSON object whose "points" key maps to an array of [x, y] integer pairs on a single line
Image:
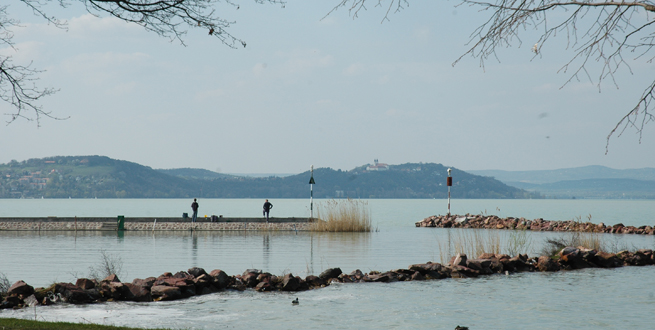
{"points": [[581, 182], [566, 174], [195, 173], [103, 177], [88, 177]]}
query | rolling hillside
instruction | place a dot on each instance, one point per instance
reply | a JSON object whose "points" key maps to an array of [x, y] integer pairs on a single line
{"points": [[103, 177]]}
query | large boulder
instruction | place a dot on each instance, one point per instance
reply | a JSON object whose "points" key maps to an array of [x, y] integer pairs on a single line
{"points": [[250, 279], [111, 278], [315, 281], [263, 287], [73, 294], [463, 272], [21, 288], [290, 283], [11, 302], [146, 283], [606, 260], [329, 273], [85, 283], [164, 292], [546, 264], [221, 279], [431, 270], [197, 271], [573, 258], [137, 293], [481, 265], [202, 282], [458, 260]]}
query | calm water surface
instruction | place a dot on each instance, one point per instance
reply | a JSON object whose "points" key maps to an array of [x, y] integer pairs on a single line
{"points": [[616, 298]]}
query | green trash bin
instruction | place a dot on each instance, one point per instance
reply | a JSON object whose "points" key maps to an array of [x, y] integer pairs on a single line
{"points": [[121, 222]]}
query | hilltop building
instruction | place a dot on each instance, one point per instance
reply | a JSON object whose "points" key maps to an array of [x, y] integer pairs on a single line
{"points": [[377, 166]]}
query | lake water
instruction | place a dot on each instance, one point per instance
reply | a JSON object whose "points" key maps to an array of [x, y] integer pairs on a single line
{"points": [[587, 299]]}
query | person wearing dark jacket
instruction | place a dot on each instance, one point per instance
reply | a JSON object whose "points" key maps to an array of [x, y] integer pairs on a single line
{"points": [[267, 208], [194, 207]]}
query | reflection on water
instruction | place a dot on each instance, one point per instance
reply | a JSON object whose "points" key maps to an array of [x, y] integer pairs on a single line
{"points": [[617, 298], [147, 254], [563, 300]]}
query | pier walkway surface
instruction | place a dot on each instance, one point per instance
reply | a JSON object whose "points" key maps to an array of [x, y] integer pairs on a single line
{"points": [[153, 223]]}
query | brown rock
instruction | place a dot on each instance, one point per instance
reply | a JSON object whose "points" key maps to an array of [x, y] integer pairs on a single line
{"points": [[290, 283], [417, 276], [20, 287], [85, 283], [330, 273], [606, 260], [221, 279], [196, 271], [263, 286], [146, 283], [546, 264], [431, 270], [137, 293], [458, 260], [573, 257], [315, 281], [111, 278], [163, 292]]}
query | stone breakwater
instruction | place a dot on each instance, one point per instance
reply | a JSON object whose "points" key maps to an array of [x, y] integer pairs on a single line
{"points": [[154, 224], [196, 281], [495, 222]]}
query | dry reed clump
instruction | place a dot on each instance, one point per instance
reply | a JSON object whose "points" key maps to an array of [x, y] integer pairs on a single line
{"points": [[469, 242], [586, 240], [476, 242], [344, 215]]}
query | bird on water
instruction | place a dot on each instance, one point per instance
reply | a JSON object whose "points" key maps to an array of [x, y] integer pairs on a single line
{"points": [[295, 302], [461, 328]]}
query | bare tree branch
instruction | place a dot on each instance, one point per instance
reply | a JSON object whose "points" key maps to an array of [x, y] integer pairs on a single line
{"points": [[167, 18], [600, 33], [355, 6], [603, 35]]}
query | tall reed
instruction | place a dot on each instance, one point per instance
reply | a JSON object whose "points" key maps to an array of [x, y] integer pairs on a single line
{"points": [[473, 243], [343, 215]]}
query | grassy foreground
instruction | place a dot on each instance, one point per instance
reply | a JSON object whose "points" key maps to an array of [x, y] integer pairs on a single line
{"points": [[6, 323]]}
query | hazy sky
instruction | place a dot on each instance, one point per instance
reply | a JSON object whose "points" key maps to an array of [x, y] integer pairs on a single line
{"points": [[332, 92]]}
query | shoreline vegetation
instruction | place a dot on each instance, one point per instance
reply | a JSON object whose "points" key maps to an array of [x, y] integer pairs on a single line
{"points": [[12, 323], [343, 215]]}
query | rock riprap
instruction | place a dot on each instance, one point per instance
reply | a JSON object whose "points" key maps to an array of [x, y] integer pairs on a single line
{"points": [[196, 281], [495, 222]]}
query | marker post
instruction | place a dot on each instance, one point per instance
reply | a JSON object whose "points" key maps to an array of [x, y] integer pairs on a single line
{"points": [[449, 182], [311, 193]]}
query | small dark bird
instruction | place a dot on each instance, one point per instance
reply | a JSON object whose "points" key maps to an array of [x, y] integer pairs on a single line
{"points": [[295, 301], [461, 328]]}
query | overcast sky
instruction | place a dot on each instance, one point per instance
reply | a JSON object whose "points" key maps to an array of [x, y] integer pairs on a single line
{"points": [[335, 92]]}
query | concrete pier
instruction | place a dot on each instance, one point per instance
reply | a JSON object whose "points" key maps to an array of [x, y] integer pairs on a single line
{"points": [[154, 223]]}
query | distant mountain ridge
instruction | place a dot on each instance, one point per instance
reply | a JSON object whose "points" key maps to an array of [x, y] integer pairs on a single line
{"points": [[103, 177], [194, 173], [575, 173], [581, 182]]}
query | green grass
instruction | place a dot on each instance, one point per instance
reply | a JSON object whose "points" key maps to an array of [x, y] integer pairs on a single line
{"points": [[6, 323]]}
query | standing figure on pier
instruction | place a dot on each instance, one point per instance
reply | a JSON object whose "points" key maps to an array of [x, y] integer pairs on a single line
{"points": [[194, 207], [267, 208]]}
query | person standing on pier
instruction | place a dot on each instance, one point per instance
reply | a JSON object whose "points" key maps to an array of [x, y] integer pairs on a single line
{"points": [[194, 207], [267, 208]]}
